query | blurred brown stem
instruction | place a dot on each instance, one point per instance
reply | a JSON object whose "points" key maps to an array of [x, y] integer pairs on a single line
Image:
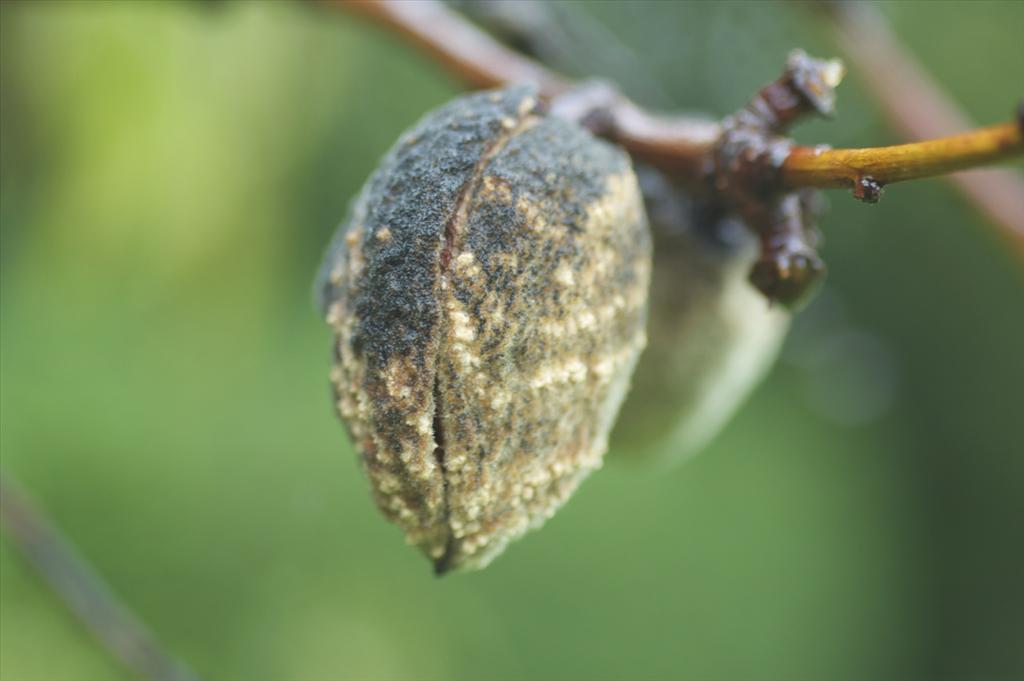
{"points": [[677, 145], [477, 59], [82, 590], [682, 147]]}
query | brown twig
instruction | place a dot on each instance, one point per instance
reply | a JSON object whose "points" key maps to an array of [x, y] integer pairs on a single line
{"points": [[918, 108], [836, 168], [678, 146], [82, 590], [477, 59]]}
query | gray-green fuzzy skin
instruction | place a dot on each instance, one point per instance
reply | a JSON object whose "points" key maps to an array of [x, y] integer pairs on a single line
{"points": [[488, 298], [712, 337]]}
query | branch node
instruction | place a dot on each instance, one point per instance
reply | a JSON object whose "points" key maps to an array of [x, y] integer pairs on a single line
{"points": [[867, 189], [816, 80], [789, 269], [806, 86], [591, 104], [747, 176]]}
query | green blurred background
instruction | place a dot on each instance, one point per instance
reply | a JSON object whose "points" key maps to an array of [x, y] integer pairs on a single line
{"points": [[170, 175]]}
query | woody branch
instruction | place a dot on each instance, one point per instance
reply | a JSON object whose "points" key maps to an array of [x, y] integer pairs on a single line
{"points": [[677, 145]]}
